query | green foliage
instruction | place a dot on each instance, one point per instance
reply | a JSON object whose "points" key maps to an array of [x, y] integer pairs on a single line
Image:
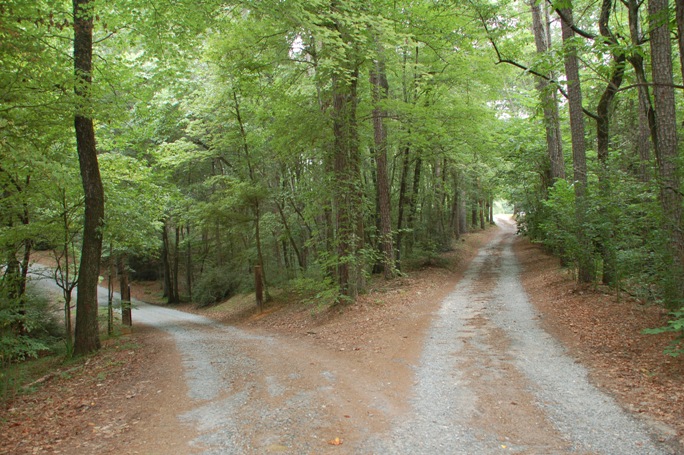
{"points": [[319, 292], [558, 223], [218, 284], [426, 254], [674, 325], [39, 328]]}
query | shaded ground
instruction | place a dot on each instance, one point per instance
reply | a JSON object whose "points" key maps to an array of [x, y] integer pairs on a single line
{"points": [[137, 392], [604, 333]]}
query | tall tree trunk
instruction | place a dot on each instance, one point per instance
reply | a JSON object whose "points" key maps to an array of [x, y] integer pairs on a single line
{"points": [[346, 174], [380, 90], [255, 204], [87, 337], [455, 212], [473, 215], [548, 98], [176, 266], [666, 142], [166, 264], [646, 129], [110, 290], [585, 272], [643, 140], [188, 262], [482, 214], [603, 114], [403, 185], [462, 209], [413, 201], [679, 5], [124, 290], [491, 211], [286, 225]]}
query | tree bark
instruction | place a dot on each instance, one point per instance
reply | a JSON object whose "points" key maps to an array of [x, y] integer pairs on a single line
{"points": [[481, 211], [462, 209], [403, 185], [286, 225], [255, 203], [124, 290], [413, 201], [87, 337], [455, 212], [169, 288], [548, 99], [666, 142], [380, 90], [188, 262], [347, 177], [176, 265], [585, 273], [679, 13], [603, 114], [646, 129], [473, 215]]}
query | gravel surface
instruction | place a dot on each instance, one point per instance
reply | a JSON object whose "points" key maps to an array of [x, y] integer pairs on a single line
{"points": [[489, 380], [460, 399]]}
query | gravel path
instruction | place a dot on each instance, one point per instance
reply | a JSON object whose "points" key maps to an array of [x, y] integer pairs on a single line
{"points": [[489, 380]]}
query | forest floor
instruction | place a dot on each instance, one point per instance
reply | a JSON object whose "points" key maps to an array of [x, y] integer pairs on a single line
{"points": [[126, 398]]}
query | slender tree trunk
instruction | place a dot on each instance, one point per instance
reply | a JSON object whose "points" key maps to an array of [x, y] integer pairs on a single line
{"points": [[176, 266], [585, 273], [347, 202], [166, 264], [679, 5], [646, 118], [455, 213], [27, 243], [293, 243], [188, 262], [481, 210], [473, 215], [548, 99], [603, 118], [462, 212], [87, 338], [124, 290], [643, 141], [491, 211], [666, 142], [380, 90], [403, 184], [413, 202], [255, 205], [110, 291]]}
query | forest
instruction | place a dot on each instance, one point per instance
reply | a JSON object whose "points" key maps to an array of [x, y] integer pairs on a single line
{"points": [[314, 144]]}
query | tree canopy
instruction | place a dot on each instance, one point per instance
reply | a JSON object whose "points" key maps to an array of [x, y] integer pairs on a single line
{"points": [[328, 140]]}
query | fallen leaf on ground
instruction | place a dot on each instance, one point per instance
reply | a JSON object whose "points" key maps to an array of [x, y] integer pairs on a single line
{"points": [[335, 442]]}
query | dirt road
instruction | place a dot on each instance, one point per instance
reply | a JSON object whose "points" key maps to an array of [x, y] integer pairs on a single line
{"points": [[488, 380]]}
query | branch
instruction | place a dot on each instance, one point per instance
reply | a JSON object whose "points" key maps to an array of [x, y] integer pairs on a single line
{"points": [[12, 180], [527, 69], [547, 78], [652, 84], [574, 28]]}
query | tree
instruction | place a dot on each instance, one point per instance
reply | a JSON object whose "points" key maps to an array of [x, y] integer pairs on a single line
{"points": [[585, 273], [380, 89], [666, 142], [548, 94], [87, 338]]}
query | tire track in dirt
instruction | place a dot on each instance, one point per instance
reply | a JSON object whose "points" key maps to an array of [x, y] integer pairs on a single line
{"points": [[490, 380]]}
